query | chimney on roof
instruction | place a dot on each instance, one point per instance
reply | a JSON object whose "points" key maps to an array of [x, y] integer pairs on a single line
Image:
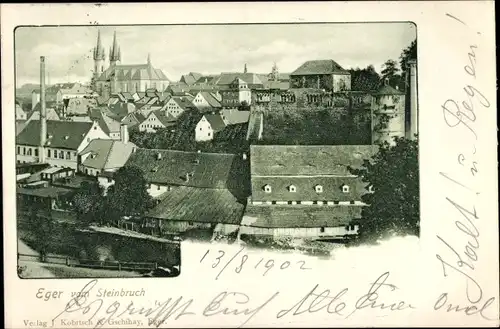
{"points": [[124, 133], [158, 156], [43, 113], [245, 68]]}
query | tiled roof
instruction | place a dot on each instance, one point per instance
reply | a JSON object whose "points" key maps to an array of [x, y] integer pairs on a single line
{"points": [[232, 117], [277, 85], [51, 114], [249, 78], [45, 192], [183, 102], [308, 159], [204, 205], [107, 124], [165, 118], [215, 121], [107, 154], [327, 66], [61, 134], [132, 72], [210, 170], [211, 100], [299, 216], [306, 188], [20, 125], [191, 78]]}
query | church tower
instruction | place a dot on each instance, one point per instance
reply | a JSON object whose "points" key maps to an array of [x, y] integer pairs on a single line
{"points": [[99, 57], [115, 55], [275, 74]]}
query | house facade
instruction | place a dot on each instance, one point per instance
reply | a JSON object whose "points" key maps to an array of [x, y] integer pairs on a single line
{"points": [[156, 120], [208, 125], [237, 93], [205, 100], [65, 139], [321, 74], [177, 105]]}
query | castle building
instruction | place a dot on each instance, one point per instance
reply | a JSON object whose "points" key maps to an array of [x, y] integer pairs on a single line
{"points": [[119, 78], [388, 114], [321, 74]]}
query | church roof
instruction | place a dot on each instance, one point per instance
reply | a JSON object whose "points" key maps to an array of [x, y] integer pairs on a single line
{"points": [[132, 72]]}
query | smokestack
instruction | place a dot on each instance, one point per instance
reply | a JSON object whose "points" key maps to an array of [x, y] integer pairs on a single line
{"points": [[124, 133], [412, 68], [43, 113]]}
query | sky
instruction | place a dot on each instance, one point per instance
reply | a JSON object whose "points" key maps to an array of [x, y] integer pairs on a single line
{"points": [[207, 49]]}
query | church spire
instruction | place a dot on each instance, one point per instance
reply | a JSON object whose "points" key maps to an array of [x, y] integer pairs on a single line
{"points": [[149, 58], [115, 54], [99, 49], [275, 75]]}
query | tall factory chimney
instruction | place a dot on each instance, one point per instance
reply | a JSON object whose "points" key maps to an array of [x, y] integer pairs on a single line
{"points": [[43, 113], [412, 95]]}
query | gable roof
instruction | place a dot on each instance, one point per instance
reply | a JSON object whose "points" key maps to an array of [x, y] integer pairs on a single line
{"points": [[215, 121], [307, 159], [165, 118], [51, 113], [193, 204], [249, 78], [107, 124], [232, 117], [211, 100], [190, 78], [183, 102], [210, 170], [108, 153], [61, 134], [325, 66], [132, 72]]}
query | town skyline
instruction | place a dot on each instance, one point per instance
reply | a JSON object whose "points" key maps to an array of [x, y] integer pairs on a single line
{"points": [[213, 48]]}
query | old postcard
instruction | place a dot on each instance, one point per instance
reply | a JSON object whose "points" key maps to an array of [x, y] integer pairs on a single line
{"points": [[250, 165]]}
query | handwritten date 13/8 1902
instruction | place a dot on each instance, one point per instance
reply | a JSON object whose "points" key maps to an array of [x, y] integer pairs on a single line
{"points": [[241, 261]]}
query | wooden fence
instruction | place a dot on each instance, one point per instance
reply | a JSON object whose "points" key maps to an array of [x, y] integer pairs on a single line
{"points": [[108, 265]]}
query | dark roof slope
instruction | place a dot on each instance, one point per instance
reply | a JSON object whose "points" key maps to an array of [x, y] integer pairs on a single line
{"points": [[326, 66], [293, 216], [209, 170], [198, 205], [61, 134], [308, 160], [388, 90], [215, 121]]}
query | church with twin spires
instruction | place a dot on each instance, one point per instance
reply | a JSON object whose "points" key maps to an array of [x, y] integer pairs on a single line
{"points": [[124, 78]]}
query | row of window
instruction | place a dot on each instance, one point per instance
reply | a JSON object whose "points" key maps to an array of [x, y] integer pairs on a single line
{"points": [[308, 202], [318, 188], [33, 151]]}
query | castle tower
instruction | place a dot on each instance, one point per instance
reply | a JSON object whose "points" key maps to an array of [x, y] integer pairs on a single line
{"points": [[387, 114], [99, 57], [114, 53], [412, 99]]}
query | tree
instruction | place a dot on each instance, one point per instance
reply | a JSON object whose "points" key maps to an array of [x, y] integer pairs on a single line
{"points": [[408, 53], [41, 229], [389, 69], [129, 195], [366, 79], [244, 106], [88, 203], [394, 204]]}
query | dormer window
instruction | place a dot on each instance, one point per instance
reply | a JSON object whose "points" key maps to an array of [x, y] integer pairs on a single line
{"points": [[292, 188], [267, 188], [345, 188], [319, 189]]}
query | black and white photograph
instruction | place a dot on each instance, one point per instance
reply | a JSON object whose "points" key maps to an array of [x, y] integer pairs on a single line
{"points": [[130, 139]]}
